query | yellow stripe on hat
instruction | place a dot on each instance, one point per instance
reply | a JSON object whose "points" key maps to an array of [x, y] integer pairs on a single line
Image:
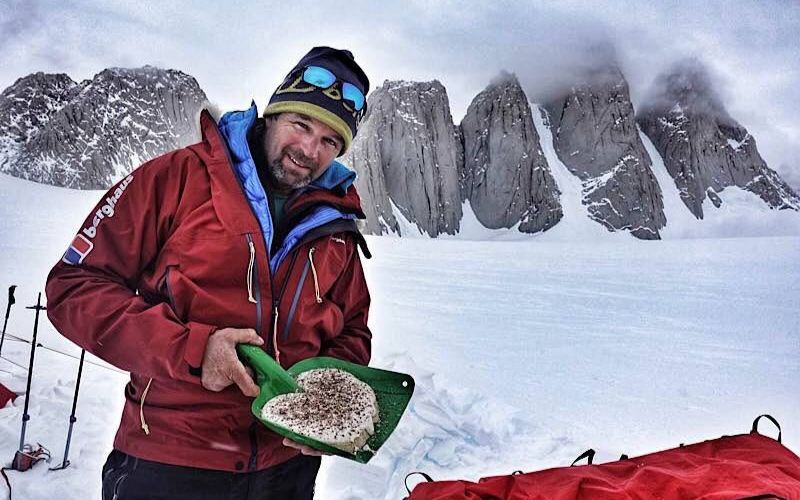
{"points": [[328, 118]]}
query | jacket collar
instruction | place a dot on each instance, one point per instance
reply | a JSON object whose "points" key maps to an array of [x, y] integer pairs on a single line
{"points": [[334, 188]]}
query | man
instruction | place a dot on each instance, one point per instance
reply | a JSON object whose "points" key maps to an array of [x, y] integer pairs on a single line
{"points": [[247, 237]]}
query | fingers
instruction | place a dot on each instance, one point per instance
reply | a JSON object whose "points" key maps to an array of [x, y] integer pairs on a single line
{"points": [[305, 450], [244, 381], [221, 366], [244, 336]]}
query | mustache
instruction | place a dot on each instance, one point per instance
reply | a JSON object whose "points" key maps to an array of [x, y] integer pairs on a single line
{"points": [[300, 158]]}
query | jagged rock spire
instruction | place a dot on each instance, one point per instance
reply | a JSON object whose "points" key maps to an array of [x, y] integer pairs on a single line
{"points": [[704, 148]]}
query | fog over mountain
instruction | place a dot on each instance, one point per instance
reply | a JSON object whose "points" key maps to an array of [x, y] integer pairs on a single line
{"points": [[752, 48], [415, 165], [706, 150]]}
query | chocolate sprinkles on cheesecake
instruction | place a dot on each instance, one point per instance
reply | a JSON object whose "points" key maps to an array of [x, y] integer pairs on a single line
{"points": [[335, 408]]}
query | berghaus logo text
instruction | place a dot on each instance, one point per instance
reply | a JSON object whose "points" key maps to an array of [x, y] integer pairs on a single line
{"points": [[107, 210]]}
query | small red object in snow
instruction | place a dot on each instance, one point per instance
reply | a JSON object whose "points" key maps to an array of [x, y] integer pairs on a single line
{"points": [[6, 395]]}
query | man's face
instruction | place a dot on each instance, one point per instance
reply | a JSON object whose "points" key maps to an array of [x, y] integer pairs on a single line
{"points": [[299, 149]]}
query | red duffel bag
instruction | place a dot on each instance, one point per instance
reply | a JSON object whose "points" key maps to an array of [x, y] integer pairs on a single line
{"points": [[747, 466]]}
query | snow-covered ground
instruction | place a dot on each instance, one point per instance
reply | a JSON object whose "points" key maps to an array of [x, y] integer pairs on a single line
{"points": [[526, 350]]}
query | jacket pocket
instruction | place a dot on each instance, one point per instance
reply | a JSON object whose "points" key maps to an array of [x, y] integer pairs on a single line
{"points": [[114, 475], [167, 288], [179, 290]]}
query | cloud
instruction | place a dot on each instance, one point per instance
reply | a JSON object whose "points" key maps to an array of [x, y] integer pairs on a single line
{"points": [[241, 50], [18, 17]]}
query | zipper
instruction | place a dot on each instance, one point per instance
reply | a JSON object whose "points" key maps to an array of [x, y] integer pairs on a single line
{"points": [[254, 283], [253, 434], [295, 299], [170, 297], [254, 288], [276, 302]]}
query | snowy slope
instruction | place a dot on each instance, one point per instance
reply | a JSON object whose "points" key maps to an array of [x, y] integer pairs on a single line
{"points": [[525, 352], [742, 213]]}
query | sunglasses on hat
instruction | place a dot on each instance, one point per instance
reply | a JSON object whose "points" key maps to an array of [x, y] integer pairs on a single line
{"points": [[324, 78]]}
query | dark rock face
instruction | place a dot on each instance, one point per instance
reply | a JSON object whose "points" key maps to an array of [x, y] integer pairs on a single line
{"points": [[505, 175], [409, 134], [595, 136], [364, 157], [25, 109], [704, 149], [89, 135]]}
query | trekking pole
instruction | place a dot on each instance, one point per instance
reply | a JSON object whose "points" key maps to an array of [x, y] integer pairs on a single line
{"points": [[21, 459], [72, 418], [11, 302]]}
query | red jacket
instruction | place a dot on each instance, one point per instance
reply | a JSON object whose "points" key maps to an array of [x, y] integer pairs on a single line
{"points": [[174, 252]]}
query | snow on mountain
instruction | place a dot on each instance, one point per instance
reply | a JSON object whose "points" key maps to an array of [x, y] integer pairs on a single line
{"points": [[89, 135], [704, 149], [525, 352], [741, 214], [594, 135]]}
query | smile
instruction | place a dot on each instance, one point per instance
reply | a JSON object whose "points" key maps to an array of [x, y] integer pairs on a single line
{"points": [[296, 162]]}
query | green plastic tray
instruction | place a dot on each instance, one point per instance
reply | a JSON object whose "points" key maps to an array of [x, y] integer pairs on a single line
{"points": [[393, 391]]}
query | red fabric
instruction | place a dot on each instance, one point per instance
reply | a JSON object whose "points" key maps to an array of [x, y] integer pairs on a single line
{"points": [[168, 264], [721, 469], [6, 395]]}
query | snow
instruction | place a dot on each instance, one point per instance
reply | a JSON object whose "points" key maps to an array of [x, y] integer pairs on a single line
{"points": [[526, 349], [735, 145], [576, 224], [742, 213]]}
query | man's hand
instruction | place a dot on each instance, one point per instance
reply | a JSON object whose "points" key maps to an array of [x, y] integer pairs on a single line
{"points": [[305, 450], [221, 367]]}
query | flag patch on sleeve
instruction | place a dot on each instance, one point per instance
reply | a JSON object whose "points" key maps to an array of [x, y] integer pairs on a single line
{"points": [[80, 247]]}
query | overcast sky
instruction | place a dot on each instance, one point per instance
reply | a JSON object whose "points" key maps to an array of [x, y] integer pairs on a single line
{"points": [[240, 50]]}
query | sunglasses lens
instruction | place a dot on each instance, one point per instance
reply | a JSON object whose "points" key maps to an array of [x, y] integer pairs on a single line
{"points": [[352, 94], [319, 77]]}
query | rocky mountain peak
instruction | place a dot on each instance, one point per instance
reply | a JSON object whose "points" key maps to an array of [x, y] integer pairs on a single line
{"points": [[705, 150], [30, 102], [409, 132], [504, 174], [595, 137], [89, 135]]}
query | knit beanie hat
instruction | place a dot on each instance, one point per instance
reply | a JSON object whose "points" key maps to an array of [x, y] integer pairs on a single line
{"points": [[326, 105]]}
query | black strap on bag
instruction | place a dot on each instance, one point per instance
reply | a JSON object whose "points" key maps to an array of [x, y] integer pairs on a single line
{"points": [[588, 455], [771, 419], [765, 496], [428, 479]]}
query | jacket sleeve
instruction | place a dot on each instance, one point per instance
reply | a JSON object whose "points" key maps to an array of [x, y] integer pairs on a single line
{"points": [[351, 294], [92, 292]]}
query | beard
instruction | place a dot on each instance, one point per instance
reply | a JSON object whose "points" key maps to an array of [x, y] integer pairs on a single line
{"points": [[291, 180]]}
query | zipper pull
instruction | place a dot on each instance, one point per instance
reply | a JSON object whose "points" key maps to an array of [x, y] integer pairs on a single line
{"points": [[275, 332], [250, 272], [314, 273]]}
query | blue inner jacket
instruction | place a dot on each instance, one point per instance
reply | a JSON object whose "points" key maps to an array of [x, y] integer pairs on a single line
{"points": [[234, 127]]}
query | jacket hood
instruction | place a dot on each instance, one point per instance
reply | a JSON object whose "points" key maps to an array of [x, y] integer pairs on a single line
{"points": [[236, 125]]}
